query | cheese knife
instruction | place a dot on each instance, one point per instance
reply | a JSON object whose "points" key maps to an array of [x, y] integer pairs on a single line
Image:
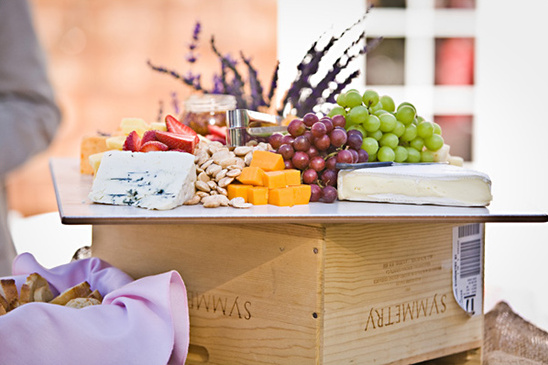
{"points": [[364, 165]]}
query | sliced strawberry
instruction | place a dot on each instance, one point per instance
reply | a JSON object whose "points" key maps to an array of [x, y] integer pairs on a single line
{"points": [[177, 141], [216, 138], [175, 126], [217, 130], [153, 146], [132, 142], [148, 136]]}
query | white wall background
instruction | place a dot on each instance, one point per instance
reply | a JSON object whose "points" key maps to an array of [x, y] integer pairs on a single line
{"points": [[510, 144], [511, 129]]}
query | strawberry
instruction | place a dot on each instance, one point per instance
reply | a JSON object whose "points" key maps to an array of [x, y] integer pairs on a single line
{"points": [[217, 130], [216, 138], [177, 141], [153, 146], [148, 136], [175, 126], [132, 142]]}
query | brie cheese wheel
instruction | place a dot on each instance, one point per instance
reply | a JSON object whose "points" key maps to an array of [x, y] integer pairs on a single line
{"points": [[154, 180], [437, 184]]}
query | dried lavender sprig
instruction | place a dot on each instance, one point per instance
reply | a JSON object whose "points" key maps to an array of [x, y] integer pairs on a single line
{"points": [[344, 60], [316, 96], [231, 87], [310, 63], [197, 82], [304, 70], [187, 80], [193, 80], [372, 44], [330, 98], [316, 93], [313, 65], [196, 31], [346, 52], [310, 51], [236, 87], [223, 83], [218, 87], [273, 84], [175, 102], [236, 84], [309, 66], [160, 111], [191, 56], [223, 78], [368, 47], [256, 88], [340, 64]]}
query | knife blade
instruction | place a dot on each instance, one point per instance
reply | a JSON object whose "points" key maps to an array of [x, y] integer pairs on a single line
{"points": [[365, 165], [259, 131]]}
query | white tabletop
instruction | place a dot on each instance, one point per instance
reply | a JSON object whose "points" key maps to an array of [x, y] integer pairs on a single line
{"points": [[72, 189]]}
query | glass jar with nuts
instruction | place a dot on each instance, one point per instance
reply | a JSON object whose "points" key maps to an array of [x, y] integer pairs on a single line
{"points": [[207, 109]]}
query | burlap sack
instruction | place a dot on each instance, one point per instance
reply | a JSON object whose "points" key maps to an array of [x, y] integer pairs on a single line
{"points": [[511, 340]]}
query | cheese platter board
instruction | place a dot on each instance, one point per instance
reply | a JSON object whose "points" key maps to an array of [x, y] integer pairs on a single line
{"points": [[72, 189]]}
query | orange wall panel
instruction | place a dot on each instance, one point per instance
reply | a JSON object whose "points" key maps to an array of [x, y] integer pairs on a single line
{"points": [[97, 53]]}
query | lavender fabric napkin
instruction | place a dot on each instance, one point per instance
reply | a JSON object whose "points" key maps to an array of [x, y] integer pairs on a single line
{"points": [[142, 321]]}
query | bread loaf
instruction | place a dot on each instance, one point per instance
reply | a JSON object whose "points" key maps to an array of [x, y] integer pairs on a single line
{"points": [[10, 293], [37, 289], [81, 290], [82, 302]]}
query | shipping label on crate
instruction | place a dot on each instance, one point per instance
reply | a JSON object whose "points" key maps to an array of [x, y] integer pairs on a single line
{"points": [[467, 267]]}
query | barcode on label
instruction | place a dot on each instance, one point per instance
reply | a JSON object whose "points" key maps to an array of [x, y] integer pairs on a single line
{"points": [[469, 230], [470, 258], [467, 267]]}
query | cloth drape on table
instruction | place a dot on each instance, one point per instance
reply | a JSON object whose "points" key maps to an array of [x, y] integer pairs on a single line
{"points": [[142, 321]]}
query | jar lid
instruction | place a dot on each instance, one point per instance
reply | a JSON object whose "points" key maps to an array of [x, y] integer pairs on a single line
{"points": [[210, 103]]}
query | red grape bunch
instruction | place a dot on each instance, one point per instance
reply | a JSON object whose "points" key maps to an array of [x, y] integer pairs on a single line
{"points": [[314, 145]]}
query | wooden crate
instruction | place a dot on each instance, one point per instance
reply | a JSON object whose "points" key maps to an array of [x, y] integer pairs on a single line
{"points": [[305, 294]]}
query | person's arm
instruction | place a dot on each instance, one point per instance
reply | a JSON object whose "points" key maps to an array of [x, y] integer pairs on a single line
{"points": [[29, 116]]}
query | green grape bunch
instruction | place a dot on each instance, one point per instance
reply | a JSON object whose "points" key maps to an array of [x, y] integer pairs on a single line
{"points": [[390, 133]]}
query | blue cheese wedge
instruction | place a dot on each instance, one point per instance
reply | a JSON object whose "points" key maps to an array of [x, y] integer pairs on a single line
{"points": [[437, 184], [153, 180]]}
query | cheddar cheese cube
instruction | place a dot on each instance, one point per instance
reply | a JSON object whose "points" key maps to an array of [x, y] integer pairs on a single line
{"points": [[268, 161], [282, 197], [257, 195], [301, 193], [275, 179], [252, 175], [238, 190], [292, 177]]}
